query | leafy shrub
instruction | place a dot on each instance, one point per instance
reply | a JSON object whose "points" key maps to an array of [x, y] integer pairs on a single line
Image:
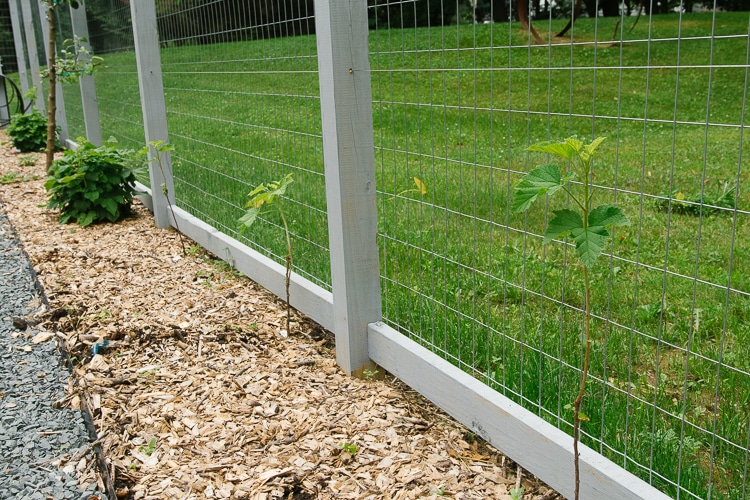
{"points": [[28, 132], [93, 184]]}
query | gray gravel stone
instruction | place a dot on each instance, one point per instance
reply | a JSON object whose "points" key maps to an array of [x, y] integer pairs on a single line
{"points": [[32, 433]]}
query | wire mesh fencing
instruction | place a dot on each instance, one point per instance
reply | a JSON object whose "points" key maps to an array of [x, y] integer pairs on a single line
{"points": [[459, 94], [457, 103], [117, 87], [243, 109]]}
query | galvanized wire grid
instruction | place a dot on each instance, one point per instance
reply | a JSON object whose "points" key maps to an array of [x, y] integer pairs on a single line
{"points": [[111, 37], [71, 91], [243, 110], [455, 107]]}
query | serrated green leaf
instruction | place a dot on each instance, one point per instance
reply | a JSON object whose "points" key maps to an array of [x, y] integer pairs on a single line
{"points": [[562, 223], [574, 143], [249, 217], [591, 147], [589, 243], [541, 180], [607, 215], [561, 149]]}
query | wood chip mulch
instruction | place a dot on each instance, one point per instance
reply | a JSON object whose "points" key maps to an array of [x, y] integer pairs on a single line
{"points": [[198, 393]]}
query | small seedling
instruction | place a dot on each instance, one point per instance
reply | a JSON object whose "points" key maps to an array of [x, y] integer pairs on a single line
{"points": [[10, 178], [148, 450], [27, 161], [350, 448], [516, 493], [587, 227], [272, 193], [370, 374]]}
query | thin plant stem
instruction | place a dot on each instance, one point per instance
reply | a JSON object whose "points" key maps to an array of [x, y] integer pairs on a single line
{"points": [[288, 270], [51, 95], [584, 377]]}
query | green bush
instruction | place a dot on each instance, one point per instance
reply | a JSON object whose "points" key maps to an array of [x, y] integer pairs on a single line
{"points": [[93, 184], [28, 132]]}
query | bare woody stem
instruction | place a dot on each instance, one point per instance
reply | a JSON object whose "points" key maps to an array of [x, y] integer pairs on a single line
{"points": [[584, 377], [51, 96], [288, 270]]}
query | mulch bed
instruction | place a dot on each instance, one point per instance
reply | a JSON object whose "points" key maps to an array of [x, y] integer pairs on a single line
{"points": [[200, 393]]}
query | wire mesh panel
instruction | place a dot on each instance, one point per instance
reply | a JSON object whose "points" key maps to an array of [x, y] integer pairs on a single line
{"points": [[243, 109], [118, 94], [460, 93], [71, 90]]}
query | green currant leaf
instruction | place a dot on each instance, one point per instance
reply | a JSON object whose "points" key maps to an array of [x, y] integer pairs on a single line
{"points": [[249, 217], [589, 243], [562, 223], [544, 179], [561, 149], [607, 215]]}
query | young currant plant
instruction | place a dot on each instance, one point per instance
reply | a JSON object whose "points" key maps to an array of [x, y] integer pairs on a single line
{"points": [[587, 227], [160, 149], [267, 194]]}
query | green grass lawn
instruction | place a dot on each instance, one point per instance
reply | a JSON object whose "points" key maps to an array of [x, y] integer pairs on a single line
{"points": [[456, 107]]}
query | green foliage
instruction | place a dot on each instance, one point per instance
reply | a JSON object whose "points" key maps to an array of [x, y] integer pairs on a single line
{"points": [[28, 132], [350, 448], [266, 195], [13, 178], [262, 195], [587, 228], [702, 203], [93, 184], [74, 61], [148, 450], [516, 493], [27, 161]]}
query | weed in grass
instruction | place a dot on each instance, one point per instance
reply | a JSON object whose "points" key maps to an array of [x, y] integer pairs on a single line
{"points": [[587, 228]]}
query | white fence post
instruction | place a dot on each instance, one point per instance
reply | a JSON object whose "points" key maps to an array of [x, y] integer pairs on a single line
{"points": [[60, 116], [36, 76], [89, 102], [346, 108], [143, 13], [17, 27]]}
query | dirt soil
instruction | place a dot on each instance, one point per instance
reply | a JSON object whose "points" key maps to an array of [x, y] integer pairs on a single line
{"points": [[199, 392]]}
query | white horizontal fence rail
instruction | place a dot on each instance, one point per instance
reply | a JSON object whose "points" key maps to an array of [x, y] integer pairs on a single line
{"points": [[405, 126]]}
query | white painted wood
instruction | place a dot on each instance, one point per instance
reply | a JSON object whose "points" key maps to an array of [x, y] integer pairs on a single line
{"points": [[33, 54], [17, 27], [89, 102], [60, 117], [346, 109], [539, 447], [148, 59]]}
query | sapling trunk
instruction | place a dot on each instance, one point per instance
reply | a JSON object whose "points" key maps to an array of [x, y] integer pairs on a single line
{"points": [[288, 271], [51, 95], [584, 377]]}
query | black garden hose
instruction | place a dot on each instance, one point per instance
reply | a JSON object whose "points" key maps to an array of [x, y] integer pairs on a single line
{"points": [[14, 100]]}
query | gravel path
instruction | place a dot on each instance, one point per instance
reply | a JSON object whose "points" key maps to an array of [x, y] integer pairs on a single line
{"points": [[43, 451]]}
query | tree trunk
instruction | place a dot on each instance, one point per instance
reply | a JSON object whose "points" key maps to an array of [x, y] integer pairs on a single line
{"points": [[52, 97]]}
